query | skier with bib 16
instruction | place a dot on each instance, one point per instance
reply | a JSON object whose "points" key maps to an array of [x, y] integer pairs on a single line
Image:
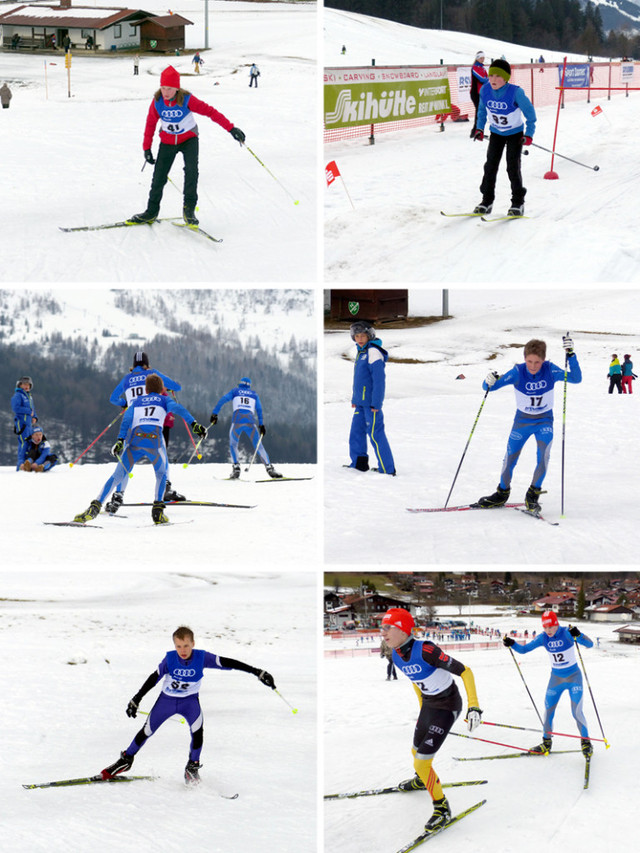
{"points": [[174, 107], [533, 383], [565, 675]]}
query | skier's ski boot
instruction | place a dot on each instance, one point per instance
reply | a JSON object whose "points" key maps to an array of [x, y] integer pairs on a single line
{"points": [[235, 472], [114, 504], [189, 214], [89, 514], [120, 766], [586, 747], [191, 776], [483, 209], [157, 513], [542, 748], [271, 471], [171, 495], [415, 784], [146, 217], [531, 499], [498, 498], [362, 463], [441, 815], [516, 210]]}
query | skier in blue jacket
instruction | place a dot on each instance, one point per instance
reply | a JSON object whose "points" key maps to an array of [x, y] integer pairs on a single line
{"points": [[533, 383], [246, 419], [24, 413], [124, 394], [35, 454], [141, 436], [367, 400], [565, 675], [508, 109]]}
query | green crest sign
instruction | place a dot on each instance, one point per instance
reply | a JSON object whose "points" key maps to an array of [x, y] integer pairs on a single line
{"points": [[354, 307]]}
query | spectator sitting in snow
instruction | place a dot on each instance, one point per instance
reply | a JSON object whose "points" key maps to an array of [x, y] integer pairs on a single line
{"points": [[35, 454]]}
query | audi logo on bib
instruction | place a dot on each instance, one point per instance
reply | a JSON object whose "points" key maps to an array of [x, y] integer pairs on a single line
{"points": [[412, 669], [172, 113], [536, 386], [497, 105], [183, 673]]}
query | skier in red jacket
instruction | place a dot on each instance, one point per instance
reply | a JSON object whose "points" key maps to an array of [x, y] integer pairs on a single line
{"points": [[174, 108]]}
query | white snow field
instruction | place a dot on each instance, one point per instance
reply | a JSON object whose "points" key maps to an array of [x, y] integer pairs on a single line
{"points": [[71, 161], [581, 227], [534, 805], [87, 642], [429, 416], [280, 530]]}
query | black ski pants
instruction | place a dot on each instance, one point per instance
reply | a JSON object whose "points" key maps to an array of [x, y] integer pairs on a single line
{"points": [[164, 161], [497, 144]]}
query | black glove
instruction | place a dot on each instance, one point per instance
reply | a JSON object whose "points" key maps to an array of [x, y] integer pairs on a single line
{"points": [[148, 156], [575, 632], [132, 707], [478, 136], [117, 448], [237, 134], [213, 419], [507, 641], [267, 678], [262, 429], [199, 430]]}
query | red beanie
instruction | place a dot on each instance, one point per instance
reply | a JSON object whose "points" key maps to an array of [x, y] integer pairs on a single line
{"points": [[399, 617], [170, 77], [549, 619]]}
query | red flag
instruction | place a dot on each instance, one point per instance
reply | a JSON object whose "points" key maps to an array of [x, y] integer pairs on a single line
{"points": [[331, 172], [596, 111]]}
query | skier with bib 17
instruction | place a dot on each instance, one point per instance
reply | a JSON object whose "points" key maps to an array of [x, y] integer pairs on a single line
{"points": [[565, 675], [508, 109], [181, 671], [533, 383], [431, 672], [174, 107]]}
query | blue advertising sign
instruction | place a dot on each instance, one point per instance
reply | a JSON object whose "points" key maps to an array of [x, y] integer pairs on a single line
{"points": [[575, 76]]}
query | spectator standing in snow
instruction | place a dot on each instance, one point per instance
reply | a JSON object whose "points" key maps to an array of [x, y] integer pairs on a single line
{"points": [[24, 413], [627, 375], [197, 62], [478, 79], [36, 453], [254, 73], [175, 109], [513, 124], [387, 652], [5, 96], [367, 398], [615, 375], [136, 65], [246, 419]]}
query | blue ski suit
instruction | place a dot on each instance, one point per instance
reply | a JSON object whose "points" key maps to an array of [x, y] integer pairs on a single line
{"points": [[367, 399]]}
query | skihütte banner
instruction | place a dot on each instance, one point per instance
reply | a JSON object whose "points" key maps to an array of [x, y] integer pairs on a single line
{"points": [[370, 95]]}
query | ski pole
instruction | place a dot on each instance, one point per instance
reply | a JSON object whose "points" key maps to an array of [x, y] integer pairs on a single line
{"points": [[71, 464], [466, 447], [564, 425], [295, 201], [255, 454], [577, 162], [495, 742], [146, 713], [607, 745], [526, 688], [293, 710], [195, 452], [527, 729]]}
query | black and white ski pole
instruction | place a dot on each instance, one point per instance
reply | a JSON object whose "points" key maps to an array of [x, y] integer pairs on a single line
{"points": [[466, 447], [294, 200], [526, 688], [577, 162], [586, 677]]}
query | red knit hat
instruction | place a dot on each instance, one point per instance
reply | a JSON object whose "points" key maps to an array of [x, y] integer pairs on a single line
{"points": [[549, 619], [400, 618], [170, 77]]}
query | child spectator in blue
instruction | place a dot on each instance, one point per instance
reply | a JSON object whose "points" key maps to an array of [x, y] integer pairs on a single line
{"points": [[533, 383], [24, 413], [367, 400], [182, 671], [565, 675], [35, 454]]}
